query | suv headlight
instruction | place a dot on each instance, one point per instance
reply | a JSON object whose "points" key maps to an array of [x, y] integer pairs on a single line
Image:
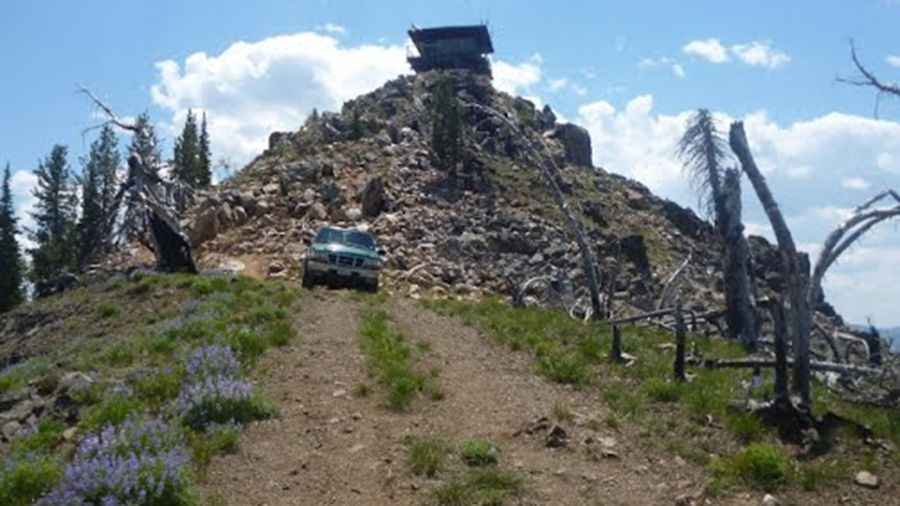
{"points": [[318, 255], [373, 263]]}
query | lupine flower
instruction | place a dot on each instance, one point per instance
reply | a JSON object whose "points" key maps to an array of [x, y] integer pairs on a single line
{"points": [[212, 361], [137, 462]]}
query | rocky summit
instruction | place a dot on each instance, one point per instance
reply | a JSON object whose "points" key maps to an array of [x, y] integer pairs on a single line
{"points": [[486, 231]]}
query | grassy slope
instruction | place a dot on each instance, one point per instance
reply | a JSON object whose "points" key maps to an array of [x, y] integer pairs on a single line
{"points": [[138, 334], [695, 420]]}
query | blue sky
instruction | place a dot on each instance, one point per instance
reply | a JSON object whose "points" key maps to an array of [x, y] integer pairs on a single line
{"points": [[628, 71]]}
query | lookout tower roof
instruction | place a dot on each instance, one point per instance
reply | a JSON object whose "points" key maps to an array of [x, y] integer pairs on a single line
{"points": [[451, 47]]}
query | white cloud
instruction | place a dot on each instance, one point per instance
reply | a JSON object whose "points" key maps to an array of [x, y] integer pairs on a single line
{"points": [[254, 88], [855, 183], [760, 54], [709, 49], [806, 164], [557, 84], [331, 28], [671, 64], [21, 184], [518, 79], [756, 53], [893, 60]]}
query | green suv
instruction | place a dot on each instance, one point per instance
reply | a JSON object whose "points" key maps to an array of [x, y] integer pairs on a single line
{"points": [[340, 254]]}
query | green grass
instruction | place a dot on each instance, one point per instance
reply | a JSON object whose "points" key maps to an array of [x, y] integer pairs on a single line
{"points": [[478, 452], [761, 466], [220, 440], [565, 349], [479, 487], [108, 310], [390, 359], [427, 456]]}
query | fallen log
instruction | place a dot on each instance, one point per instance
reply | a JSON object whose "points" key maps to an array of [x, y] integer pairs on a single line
{"points": [[766, 362]]}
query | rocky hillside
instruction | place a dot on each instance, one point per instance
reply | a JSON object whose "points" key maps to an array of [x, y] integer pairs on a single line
{"points": [[485, 233]]}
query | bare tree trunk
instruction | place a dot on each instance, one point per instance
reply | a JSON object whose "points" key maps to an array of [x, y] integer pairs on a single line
{"points": [[679, 342], [615, 351], [782, 394], [741, 306], [798, 318]]}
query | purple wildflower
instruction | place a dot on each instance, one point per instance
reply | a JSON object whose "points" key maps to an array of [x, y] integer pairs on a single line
{"points": [[137, 462], [212, 361]]}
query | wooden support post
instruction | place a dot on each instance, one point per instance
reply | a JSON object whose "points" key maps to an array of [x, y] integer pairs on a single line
{"points": [[615, 352], [679, 342]]}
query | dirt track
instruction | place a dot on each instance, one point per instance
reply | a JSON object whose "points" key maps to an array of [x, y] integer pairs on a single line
{"points": [[329, 447]]}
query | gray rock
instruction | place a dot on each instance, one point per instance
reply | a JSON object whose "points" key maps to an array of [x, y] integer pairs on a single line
{"points": [[866, 479], [577, 144], [373, 197]]}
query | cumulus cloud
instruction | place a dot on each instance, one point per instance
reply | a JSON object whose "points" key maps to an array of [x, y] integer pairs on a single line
{"points": [[665, 62], [518, 79], [253, 88], [557, 84], [806, 162], [893, 60], [709, 49], [756, 53], [760, 54]]}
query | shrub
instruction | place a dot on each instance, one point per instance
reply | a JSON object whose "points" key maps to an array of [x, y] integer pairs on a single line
{"points": [[216, 440], [107, 310], [427, 456], [158, 387], [114, 409], [48, 434], [25, 478], [136, 462], [478, 452], [280, 333], [247, 343]]}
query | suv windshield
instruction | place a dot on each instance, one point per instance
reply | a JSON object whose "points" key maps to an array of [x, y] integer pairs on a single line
{"points": [[347, 237]]}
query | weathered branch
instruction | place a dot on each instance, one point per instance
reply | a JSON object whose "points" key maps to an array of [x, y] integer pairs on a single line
{"points": [[767, 362], [672, 280], [868, 79]]}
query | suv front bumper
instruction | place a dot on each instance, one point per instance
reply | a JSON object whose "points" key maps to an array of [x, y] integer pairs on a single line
{"points": [[324, 269]]}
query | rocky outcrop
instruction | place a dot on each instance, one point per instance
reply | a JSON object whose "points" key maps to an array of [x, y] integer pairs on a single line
{"points": [[577, 144]]}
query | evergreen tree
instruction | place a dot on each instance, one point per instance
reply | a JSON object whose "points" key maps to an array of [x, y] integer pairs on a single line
{"points": [[11, 264], [145, 145], [55, 232], [446, 139], [204, 163], [98, 209], [187, 153]]}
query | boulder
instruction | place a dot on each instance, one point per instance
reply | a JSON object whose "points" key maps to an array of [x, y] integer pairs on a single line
{"points": [[204, 227], [373, 198], [278, 138], [577, 144]]}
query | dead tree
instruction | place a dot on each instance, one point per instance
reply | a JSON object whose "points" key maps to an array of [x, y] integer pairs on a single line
{"points": [[550, 171], [156, 203], [867, 79], [705, 154], [803, 289], [742, 313]]}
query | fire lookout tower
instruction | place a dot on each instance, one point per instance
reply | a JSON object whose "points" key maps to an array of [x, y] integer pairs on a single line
{"points": [[451, 47]]}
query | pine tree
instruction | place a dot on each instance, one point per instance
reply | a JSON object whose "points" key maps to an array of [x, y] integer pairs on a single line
{"points": [[11, 265], [98, 208], [55, 232], [204, 164], [446, 140], [187, 153], [145, 145]]}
